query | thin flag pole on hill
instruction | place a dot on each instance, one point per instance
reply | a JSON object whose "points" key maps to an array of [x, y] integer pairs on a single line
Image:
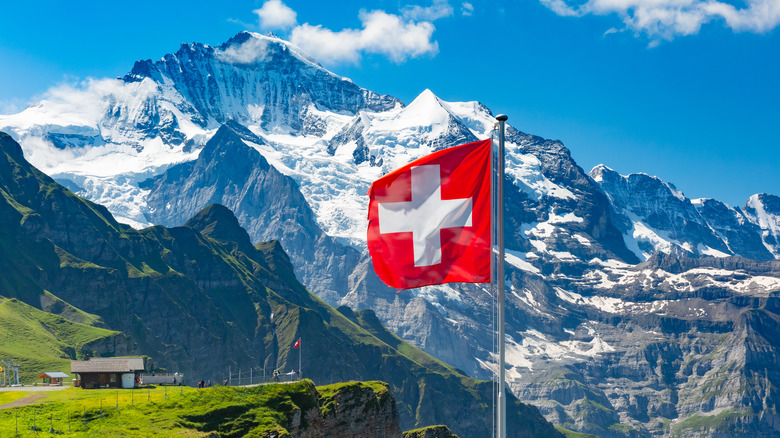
{"points": [[501, 423], [298, 346]]}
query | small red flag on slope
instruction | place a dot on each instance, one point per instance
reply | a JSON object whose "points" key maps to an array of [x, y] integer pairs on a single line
{"points": [[297, 343], [429, 222]]}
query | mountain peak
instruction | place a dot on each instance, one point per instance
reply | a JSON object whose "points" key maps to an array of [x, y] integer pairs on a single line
{"points": [[428, 108], [426, 98], [219, 223], [769, 202], [598, 172], [251, 47], [239, 38], [228, 145], [10, 146], [763, 210]]}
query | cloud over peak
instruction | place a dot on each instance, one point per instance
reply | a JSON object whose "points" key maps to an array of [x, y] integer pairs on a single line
{"points": [[251, 51], [276, 15], [382, 33], [399, 37]]}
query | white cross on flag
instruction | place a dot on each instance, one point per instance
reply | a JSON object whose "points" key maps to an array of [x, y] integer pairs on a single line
{"points": [[429, 221]]}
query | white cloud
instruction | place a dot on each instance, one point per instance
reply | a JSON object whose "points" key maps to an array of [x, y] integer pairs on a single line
{"points": [[666, 19], [251, 51], [560, 7], [439, 9], [394, 36], [467, 9], [276, 15]]}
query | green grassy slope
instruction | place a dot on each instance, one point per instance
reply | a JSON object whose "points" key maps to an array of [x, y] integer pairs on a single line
{"points": [[182, 411], [40, 341]]}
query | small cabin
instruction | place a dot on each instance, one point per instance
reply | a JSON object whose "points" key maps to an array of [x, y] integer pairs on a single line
{"points": [[52, 378], [113, 372]]}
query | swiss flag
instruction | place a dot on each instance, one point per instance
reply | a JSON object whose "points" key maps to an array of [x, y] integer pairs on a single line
{"points": [[297, 343], [429, 222]]}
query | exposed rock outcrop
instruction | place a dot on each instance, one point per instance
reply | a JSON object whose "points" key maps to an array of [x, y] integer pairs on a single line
{"points": [[439, 431]]}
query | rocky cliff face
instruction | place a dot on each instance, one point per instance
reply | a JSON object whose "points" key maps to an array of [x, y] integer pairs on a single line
{"points": [[351, 410]]}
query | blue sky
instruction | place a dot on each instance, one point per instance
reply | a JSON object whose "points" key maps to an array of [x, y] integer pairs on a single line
{"points": [[689, 93]]}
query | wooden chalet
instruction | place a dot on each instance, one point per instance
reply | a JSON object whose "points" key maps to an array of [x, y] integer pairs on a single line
{"points": [[53, 378], [110, 372]]}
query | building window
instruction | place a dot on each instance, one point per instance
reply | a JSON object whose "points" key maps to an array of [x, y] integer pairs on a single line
{"points": [[112, 378]]}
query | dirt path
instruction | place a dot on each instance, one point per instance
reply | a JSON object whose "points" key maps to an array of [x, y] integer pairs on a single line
{"points": [[30, 399]]}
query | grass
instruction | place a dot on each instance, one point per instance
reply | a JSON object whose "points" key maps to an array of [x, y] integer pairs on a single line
{"points": [[171, 411], [571, 434], [587, 404], [328, 392], [9, 396], [160, 411], [40, 341], [710, 422], [379, 388], [622, 428]]}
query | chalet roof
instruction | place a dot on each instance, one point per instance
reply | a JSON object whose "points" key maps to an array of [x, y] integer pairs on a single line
{"points": [[108, 365], [53, 375]]}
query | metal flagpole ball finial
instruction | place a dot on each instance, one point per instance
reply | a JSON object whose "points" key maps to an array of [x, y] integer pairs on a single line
{"points": [[502, 117]]}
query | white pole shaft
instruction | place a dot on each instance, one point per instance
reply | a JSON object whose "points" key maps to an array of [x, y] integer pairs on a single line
{"points": [[500, 273], [300, 348]]}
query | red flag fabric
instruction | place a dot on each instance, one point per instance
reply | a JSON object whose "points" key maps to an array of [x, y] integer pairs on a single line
{"points": [[297, 343], [429, 222]]}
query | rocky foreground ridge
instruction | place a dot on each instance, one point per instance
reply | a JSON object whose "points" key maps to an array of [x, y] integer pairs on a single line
{"points": [[344, 410], [633, 310]]}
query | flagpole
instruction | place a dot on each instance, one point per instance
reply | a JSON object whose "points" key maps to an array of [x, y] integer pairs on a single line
{"points": [[300, 351], [500, 273]]}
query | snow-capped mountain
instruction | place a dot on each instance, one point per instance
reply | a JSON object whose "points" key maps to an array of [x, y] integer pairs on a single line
{"points": [[764, 210], [632, 310], [255, 79], [105, 136], [654, 215]]}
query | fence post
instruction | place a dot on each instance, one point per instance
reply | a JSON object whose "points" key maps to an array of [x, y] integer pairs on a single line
{"points": [[117, 399], [51, 422]]}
